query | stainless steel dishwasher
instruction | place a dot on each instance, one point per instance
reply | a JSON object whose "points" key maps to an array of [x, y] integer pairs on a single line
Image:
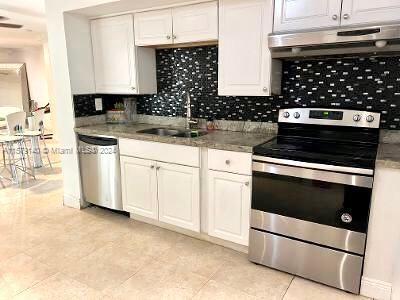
{"points": [[100, 171]]}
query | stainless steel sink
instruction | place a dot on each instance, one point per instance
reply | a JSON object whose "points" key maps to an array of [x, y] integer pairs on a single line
{"points": [[173, 132], [160, 131]]}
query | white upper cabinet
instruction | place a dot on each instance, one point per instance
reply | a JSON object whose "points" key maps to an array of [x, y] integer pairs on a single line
{"points": [[297, 15], [120, 67], [367, 11], [300, 15], [195, 23], [186, 24], [113, 38], [153, 27], [245, 65], [179, 195]]}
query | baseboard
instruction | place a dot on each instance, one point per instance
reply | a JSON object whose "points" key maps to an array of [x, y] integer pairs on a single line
{"points": [[376, 289], [198, 235], [72, 201]]}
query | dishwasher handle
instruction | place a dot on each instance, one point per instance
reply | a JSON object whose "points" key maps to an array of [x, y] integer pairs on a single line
{"points": [[98, 141]]}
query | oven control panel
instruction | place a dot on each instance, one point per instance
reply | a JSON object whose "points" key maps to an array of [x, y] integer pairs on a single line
{"points": [[323, 116]]}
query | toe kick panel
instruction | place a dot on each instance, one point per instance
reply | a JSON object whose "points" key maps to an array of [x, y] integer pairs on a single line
{"points": [[325, 265]]}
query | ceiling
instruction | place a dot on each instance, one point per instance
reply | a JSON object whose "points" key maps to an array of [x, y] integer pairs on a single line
{"points": [[30, 14]]}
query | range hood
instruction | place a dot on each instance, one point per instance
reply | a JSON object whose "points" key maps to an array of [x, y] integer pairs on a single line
{"points": [[370, 39]]}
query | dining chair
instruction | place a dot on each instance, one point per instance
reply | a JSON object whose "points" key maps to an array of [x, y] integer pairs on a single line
{"points": [[14, 147], [4, 111], [36, 135]]}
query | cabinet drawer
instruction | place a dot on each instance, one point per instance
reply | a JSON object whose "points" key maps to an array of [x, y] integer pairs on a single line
{"points": [[178, 154], [229, 161]]}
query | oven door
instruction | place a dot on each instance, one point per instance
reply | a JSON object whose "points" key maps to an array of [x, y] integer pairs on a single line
{"points": [[322, 207]]}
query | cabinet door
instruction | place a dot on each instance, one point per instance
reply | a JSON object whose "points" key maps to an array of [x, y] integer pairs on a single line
{"points": [[153, 28], [195, 23], [244, 58], [229, 197], [139, 186], [114, 55], [179, 195], [297, 15], [364, 11]]}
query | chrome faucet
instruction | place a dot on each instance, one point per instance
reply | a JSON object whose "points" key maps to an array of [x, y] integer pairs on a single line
{"points": [[189, 121]]}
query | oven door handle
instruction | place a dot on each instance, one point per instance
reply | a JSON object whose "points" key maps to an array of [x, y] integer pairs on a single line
{"points": [[327, 176]]}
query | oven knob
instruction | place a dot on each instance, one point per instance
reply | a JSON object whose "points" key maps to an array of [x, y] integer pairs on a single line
{"points": [[356, 118], [286, 114], [370, 118], [346, 218], [296, 115]]}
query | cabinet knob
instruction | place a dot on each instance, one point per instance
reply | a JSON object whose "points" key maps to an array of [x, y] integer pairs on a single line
{"points": [[247, 183], [168, 37], [228, 162], [346, 16], [174, 37], [265, 89], [158, 168], [133, 88], [151, 167], [335, 17]]}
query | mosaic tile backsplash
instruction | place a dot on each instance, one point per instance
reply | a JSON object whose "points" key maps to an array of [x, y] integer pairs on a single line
{"points": [[365, 83], [84, 105]]}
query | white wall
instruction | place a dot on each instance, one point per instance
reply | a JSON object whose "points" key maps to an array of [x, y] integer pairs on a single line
{"points": [[63, 66], [79, 50], [11, 89], [35, 68], [39, 86], [383, 235], [33, 57], [50, 89], [6, 55], [396, 272]]}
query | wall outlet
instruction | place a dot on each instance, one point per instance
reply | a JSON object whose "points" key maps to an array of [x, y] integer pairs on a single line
{"points": [[98, 103]]}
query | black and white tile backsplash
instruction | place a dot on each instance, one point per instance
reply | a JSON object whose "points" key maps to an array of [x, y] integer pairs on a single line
{"points": [[370, 83], [195, 70], [84, 105]]}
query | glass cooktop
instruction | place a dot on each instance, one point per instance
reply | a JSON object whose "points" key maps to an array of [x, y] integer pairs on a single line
{"points": [[358, 155]]}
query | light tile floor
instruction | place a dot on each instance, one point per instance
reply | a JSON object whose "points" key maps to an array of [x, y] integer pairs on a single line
{"points": [[48, 251]]}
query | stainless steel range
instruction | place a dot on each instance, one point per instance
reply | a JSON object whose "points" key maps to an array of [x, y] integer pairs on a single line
{"points": [[311, 195]]}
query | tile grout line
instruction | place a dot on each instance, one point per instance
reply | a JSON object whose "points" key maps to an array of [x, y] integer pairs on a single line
{"points": [[291, 281], [115, 288], [40, 281], [37, 283], [208, 280], [199, 290], [212, 277]]}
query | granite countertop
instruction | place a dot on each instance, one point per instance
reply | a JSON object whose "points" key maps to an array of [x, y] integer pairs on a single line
{"points": [[388, 156], [218, 139]]}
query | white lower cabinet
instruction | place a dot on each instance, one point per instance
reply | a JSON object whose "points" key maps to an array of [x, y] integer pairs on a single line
{"points": [[179, 195], [139, 186], [166, 192], [229, 197], [169, 191]]}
